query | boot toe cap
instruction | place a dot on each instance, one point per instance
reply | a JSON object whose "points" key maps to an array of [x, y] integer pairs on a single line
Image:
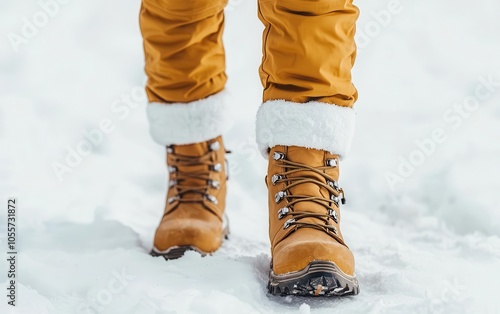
{"points": [[293, 255], [205, 236]]}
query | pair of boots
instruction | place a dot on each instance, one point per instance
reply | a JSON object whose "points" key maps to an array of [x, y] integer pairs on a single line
{"points": [[308, 51], [309, 255]]}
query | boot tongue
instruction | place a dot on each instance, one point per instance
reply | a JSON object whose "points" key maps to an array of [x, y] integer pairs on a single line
{"points": [[314, 158], [310, 157], [192, 150]]}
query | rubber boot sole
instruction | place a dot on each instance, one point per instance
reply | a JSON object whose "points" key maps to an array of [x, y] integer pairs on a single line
{"points": [[176, 252], [319, 278]]}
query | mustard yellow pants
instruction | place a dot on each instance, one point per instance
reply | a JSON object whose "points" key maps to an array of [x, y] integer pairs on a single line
{"points": [[307, 56]]}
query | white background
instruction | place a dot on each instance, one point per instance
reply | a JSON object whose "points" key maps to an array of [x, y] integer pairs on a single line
{"points": [[430, 245]]}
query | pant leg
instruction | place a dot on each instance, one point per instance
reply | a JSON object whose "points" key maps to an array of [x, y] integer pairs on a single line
{"points": [[308, 54], [183, 48], [185, 65], [308, 50]]}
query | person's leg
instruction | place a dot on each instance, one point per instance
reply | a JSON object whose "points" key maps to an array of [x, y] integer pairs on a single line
{"points": [[185, 64], [185, 58], [305, 126]]}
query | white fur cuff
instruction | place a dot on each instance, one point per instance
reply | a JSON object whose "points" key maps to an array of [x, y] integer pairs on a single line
{"points": [[187, 123], [312, 125]]}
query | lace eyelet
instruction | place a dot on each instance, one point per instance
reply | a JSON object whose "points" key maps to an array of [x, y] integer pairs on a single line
{"points": [[172, 183], [215, 146], [214, 184], [331, 162], [217, 167], [275, 178], [278, 155], [288, 223], [278, 197], [173, 199], [333, 213], [212, 199], [283, 212], [335, 199], [334, 184]]}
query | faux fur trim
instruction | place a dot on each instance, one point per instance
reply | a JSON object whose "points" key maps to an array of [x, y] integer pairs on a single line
{"points": [[312, 125], [187, 123]]}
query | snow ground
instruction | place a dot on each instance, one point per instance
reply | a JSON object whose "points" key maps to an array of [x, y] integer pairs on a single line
{"points": [[430, 245]]}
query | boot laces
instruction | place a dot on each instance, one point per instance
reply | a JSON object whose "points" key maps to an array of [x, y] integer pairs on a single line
{"points": [[331, 204], [178, 177]]}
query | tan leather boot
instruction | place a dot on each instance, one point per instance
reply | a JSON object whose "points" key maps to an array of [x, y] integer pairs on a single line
{"points": [[194, 216], [309, 256]]}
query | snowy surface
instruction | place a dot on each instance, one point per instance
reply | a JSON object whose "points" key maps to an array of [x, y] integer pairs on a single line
{"points": [[430, 244]]}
